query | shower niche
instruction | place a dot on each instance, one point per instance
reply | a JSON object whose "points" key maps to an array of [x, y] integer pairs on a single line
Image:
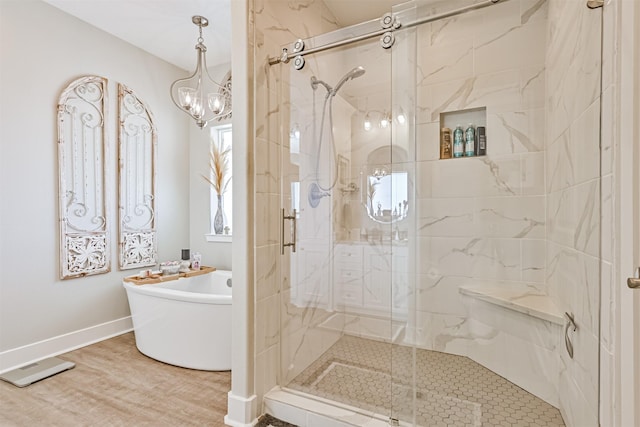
{"points": [[475, 117]]}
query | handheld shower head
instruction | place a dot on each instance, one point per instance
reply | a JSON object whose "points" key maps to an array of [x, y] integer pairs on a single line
{"points": [[353, 74]]}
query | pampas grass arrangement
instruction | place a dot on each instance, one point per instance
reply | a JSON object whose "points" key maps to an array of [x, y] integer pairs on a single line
{"points": [[219, 165]]}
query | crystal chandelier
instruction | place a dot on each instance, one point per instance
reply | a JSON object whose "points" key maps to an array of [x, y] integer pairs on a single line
{"points": [[199, 95]]}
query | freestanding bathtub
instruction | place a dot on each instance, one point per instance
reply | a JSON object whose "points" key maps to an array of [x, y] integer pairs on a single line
{"points": [[184, 322]]}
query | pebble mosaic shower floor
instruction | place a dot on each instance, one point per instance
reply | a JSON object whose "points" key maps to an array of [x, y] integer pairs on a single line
{"points": [[450, 390]]}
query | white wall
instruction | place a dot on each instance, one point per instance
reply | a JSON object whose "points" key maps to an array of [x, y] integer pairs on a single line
{"points": [[215, 254], [40, 56]]}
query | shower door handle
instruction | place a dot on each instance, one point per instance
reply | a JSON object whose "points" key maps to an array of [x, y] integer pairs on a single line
{"points": [[291, 217], [634, 282]]}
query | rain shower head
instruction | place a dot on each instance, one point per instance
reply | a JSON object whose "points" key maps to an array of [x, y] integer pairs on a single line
{"points": [[355, 73]]}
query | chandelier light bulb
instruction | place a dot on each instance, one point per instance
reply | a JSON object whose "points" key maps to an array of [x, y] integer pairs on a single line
{"points": [[401, 118], [187, 97], [367, 123], [216, 103], [384, 122]]}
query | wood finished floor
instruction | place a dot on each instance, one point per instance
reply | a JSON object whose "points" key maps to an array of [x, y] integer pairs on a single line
{"points": [[113, 384]]}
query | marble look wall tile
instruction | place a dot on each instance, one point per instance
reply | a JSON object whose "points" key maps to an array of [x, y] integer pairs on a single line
{"points": [[448, 30], [470, 257], [532, 367], [267, 271], [516, 47], [303, 347], [442, 332], [427, 141], [438, 217], [607, 236], [286, 21], [607, 306], [515, 217], [516, 131], [573, 279], [608, 120], [439, 294], [607, 388], [573, 63], [532, 10], [267, 170], [268, 329], [573, 217], [532, 87], [533, 260], [445, 62], [471, 177], [267, 225], [532, 167], [609, 51], [582, 370], [574, 158], [266, 370], [499, 90]]}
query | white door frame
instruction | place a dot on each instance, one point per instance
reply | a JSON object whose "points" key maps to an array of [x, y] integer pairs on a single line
{"points": [[628, 327]]}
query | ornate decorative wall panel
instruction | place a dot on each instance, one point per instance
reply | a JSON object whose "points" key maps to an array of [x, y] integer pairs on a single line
{"points": [[137, 198], [84, 234]]}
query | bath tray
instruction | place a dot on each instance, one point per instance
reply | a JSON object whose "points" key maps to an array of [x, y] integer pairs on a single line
{"points": [[159, 278], [192, 272], [154, 278]]}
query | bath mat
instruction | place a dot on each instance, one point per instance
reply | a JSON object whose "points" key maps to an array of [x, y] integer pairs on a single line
{"points": [[361, 387], [268, 421]]}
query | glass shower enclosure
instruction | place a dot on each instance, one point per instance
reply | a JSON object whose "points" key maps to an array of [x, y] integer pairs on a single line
{"points": [[418, 285]]}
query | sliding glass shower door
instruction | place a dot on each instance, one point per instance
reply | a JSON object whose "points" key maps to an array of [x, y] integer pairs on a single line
{"points": [[348, 206]]}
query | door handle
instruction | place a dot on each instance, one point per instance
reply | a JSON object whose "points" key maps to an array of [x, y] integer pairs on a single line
{"points": [[292, 218], [634, 282]]}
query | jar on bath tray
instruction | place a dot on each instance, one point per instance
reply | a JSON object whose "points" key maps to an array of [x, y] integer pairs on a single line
{"points": [[186, 261], [197, 258]]}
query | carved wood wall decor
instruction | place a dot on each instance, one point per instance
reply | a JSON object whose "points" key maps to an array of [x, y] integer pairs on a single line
{"points": [[137, 152], [226, 83], [82, 150]]}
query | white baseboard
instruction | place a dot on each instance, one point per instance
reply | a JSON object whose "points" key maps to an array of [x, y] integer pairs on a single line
{"points": [[241, 411], [20, 356]]}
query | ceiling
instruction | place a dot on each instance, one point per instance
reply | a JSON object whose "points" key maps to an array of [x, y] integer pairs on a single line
{"points": [[164, 28]]}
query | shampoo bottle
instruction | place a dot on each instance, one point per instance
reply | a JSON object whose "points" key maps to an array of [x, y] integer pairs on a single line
{"points": [[445, 143], [470, 141], [458, 142], [481, 146]]}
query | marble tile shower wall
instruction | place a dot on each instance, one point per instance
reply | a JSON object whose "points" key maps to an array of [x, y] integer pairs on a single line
{"points": [[276, 23], [573, 196], [480, 220]]}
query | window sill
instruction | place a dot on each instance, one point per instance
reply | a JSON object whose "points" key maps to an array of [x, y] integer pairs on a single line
{"points": [[219, 238]]}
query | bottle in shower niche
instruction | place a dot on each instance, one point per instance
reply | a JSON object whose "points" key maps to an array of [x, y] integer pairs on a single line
{"points": [[470, 141], [481, 144], [458, 142], [445, 143]]}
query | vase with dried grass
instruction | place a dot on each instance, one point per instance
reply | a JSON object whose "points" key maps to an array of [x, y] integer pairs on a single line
{"points": [[219, 179]]}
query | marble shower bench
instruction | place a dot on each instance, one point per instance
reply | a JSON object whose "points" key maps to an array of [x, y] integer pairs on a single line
{"points": [[522, 299], [516, 331]]}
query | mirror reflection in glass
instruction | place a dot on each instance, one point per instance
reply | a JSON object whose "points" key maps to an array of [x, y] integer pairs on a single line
{"points": [[386, 195]]}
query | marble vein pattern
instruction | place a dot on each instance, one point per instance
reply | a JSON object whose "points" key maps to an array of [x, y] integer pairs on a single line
{"points": [[573, 195]]}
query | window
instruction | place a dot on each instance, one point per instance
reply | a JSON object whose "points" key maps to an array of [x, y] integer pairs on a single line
{"points": [[221, 139]]}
